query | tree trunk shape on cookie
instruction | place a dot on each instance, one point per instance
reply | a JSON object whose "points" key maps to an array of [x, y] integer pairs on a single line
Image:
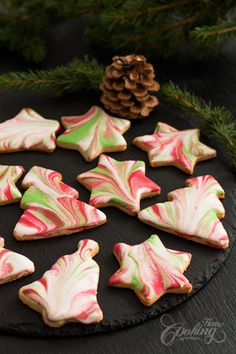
{"points": [[68, 291], [193, 212], [52, 209]]}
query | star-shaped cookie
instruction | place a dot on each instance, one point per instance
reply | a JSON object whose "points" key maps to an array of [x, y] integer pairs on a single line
{"points": [[118, 183], [28, 131], [151, 270], [9, 175], [179, 148], [193, 212], [93, 133]]}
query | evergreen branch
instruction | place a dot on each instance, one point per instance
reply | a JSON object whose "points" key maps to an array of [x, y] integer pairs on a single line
{"points": [[218, 122], [179, 23], [154, 41], [139, 12], [209, 36], [154, 26], [76, 76]]}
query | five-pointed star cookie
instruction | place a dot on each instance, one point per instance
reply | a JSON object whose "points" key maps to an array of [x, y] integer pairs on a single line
{"points": [[93, 133], [9, 175], [151, 270], [28, 131], [118, 183], [193, 212], [169, 146]]}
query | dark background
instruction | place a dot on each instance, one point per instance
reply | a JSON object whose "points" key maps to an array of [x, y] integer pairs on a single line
{"points": [[213, 79]]}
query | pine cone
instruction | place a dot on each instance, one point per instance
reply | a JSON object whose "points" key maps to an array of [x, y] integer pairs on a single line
{"points": [[128, 85]]}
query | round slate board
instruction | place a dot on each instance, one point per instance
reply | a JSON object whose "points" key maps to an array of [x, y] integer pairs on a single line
{"points": [[121, 307]]}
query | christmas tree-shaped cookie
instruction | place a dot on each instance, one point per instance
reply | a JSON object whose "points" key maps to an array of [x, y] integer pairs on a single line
{"points": [[179, 148], [9, 175], [93, 133], [193, 212], [151, 270], [13, 265], [68, 291], [51, 208], [28, 131]]}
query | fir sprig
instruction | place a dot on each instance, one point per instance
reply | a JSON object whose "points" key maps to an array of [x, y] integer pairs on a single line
{"points": [[155, 27], [163, 27], [212, 37], [218, 122], [80, 74], [139, 13]]}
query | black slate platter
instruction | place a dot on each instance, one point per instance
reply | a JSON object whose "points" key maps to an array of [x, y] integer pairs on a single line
{"points": [[121, 307]]}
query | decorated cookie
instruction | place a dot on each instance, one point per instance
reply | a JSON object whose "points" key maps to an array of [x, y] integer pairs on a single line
{"points": [[52, 209], [93, 133], [13, 265], [151, 270], [192, 212], [9, 175], [28, 131], [118, 183], [2, 242], [169, 146], [68, 291]]}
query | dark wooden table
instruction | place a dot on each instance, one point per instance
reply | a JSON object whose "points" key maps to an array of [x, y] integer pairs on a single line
{"points": [[214, 79]]}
